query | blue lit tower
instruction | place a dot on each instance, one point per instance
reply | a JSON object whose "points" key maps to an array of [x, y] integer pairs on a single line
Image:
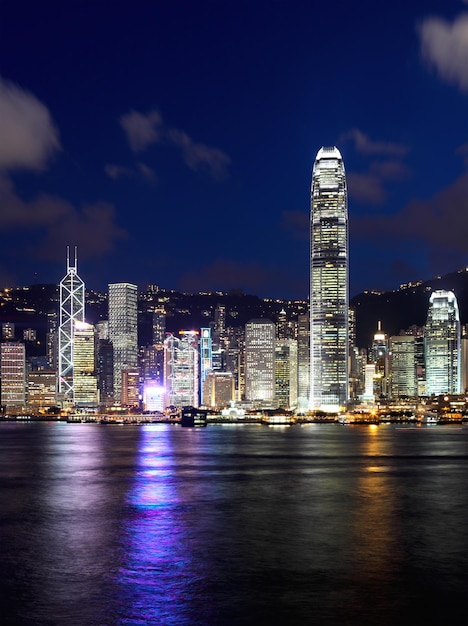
{"points": [[442, 344], [72, 307], [328, 282]]}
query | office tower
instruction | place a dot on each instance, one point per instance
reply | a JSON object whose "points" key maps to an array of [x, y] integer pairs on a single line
{"points": [[219, 323], [105, 371], [130, 387], [123, 333], [442, 344], [102, 329], [42, 389], [12, 375], [403, 366], [379, 356], [181, 369], [328, 282], [159, 326], [219, 389], [260, 360], [286, 373], [85, 387], [303, 362], [206, 364], [72, 310]]}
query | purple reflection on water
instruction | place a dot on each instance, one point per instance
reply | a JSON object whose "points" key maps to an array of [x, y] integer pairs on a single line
{"points": [[157, 578]]}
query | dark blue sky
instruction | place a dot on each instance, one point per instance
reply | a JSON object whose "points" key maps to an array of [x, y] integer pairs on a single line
{"points": [[173, 141]]}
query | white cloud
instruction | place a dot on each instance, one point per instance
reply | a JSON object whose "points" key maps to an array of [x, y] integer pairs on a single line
{"points": [[142, 130], [199, 156], [28, 136], [365, 145], [444, 46]]}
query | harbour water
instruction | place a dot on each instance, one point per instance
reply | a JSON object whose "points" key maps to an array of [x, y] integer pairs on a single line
{"points": [[233, 525]]}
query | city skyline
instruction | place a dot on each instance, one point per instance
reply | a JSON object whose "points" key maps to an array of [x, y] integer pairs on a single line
{"points": [[174, 144]]}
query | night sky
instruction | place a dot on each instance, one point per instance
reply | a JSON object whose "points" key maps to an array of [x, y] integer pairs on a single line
{"points": [[173, 142]]}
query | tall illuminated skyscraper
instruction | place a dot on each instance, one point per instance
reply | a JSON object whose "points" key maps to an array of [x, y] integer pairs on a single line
{"points": [[123, 333], [72, 308], [85, 387], [260, 336], [328, 282], [442, 344], [181, 369], [12, 375]]}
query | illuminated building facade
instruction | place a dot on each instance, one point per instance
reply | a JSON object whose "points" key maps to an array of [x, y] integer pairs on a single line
{"points": [[12, 375], [42, 389], [123, 316], [286, 373], [181, 369], [442, 344], [260, 337], [303, 362], [379, 356], [219, 389], [403, 366], [329, 298], [206, 361], [85, 385], [72, 310], [130, 387]]}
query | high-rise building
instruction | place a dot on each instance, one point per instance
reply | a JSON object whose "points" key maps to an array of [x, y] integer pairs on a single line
{"points": [[72, 310], [206, 361], [260, 337], [286, 373], [42, 389], [329, 298], [442, 344], [303, 362], [379, 356], [181, 369], [218, 390], [403, 366], [12, 375], [123, 330], [85, 387]]}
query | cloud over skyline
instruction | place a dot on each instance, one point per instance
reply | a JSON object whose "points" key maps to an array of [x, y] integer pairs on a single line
{"points": [[28, 135], [143, 130], [55, 222], [444, 46]]}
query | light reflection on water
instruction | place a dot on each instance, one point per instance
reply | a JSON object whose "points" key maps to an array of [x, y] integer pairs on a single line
{"points": [[238, 525]]}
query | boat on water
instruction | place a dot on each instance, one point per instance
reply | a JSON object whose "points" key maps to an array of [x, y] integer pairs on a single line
{"points": [[430, 418], [347, 419]]}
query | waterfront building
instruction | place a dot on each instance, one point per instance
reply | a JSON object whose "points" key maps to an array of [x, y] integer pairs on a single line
{"points": [[303, 362], [206, 361], [12, 375], [442, 344], [379, 357], [130, 387], [403, 366], [329, 342], [123, 316], [260, 360], [105, 371], [181, 369], [42, 389], [85, 385], [286, 373], [72, 310], [219, 389]]}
